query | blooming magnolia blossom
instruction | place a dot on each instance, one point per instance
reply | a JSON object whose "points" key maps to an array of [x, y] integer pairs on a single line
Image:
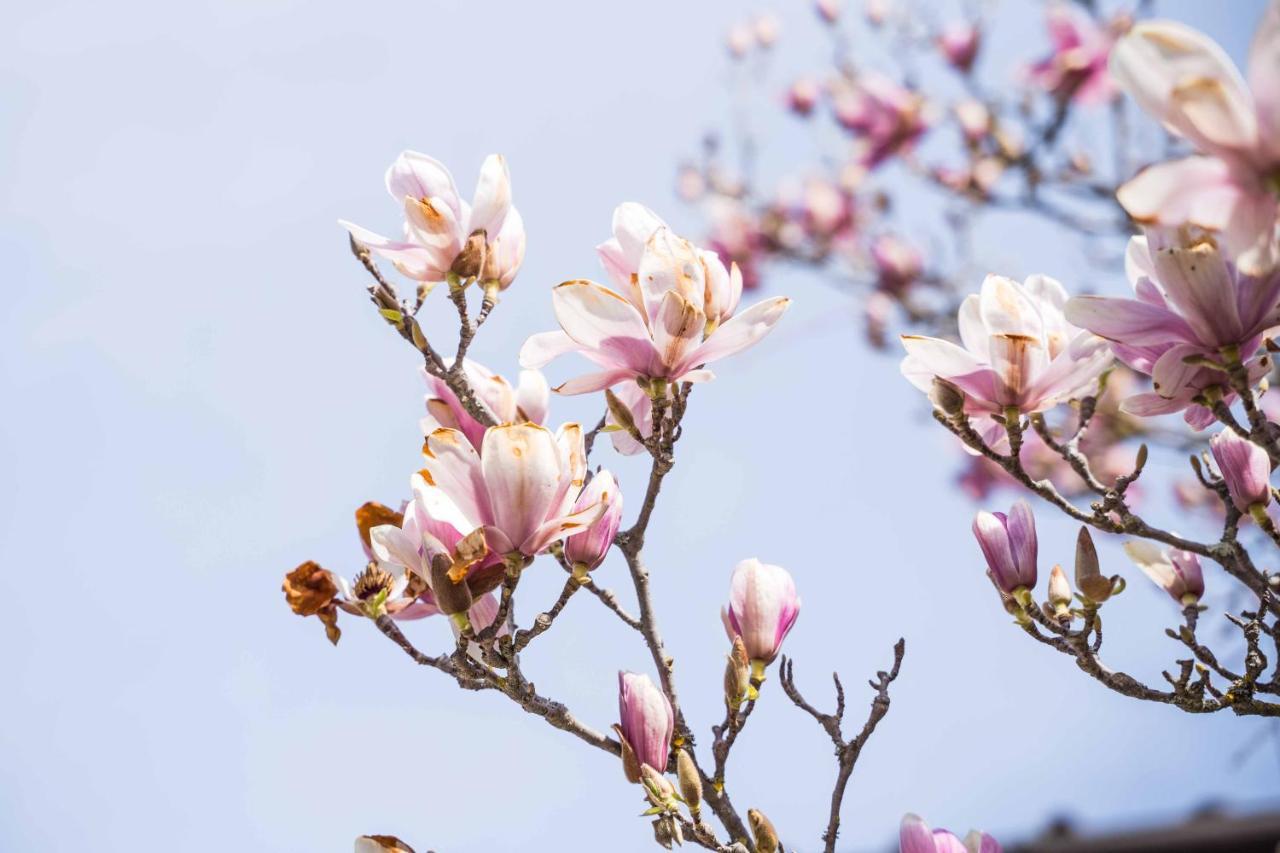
{"points": [[527, 402], [1245, 467], [438, 223], [1191, 304], [677, 315], [1009, 545], [886, 116], [916, 837], [585, 551], [411, 543], [646, 721], [1076, 69], [520, 488], [1185, 80], [1019, 350], [763, 607], [1175, 571]]}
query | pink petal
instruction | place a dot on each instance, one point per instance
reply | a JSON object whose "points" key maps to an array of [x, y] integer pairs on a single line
{"points": [[590, 382], [455, 492], [601, 320], [542, 348], [415, 175], [914, 836], [493, 197], [1127, 320], [411, 259], [742, 332], [522, 469]]}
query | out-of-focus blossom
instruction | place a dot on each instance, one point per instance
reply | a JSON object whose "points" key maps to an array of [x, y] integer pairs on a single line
{"points": [[739, 40], [974, 119], [381, 844], [959, 44], [803, 96], [876, 11], [678, 313], [876, 312], [691, 184], [1009, 544], [1076, 69], [886, 116], [586, 550], [526, 402], [827, 208], [766, 28], [897, 262], [1019, 350], [520, 488], [1191, 304], [829, 10], [646, 723], [1245, 467], [1175, 571], [1185, 80], [763, 607], [438, 223], [736, 237], [916, 837]]}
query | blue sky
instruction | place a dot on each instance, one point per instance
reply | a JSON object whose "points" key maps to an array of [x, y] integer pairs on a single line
{"points": [[200, 396]]}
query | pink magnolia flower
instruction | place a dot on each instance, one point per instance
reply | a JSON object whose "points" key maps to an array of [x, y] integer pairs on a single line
{"points": [[1009, 545], [1019, 350], [763, 608], [438, 222], [897, 263], [886, 117], [959, 45], [1191, 303], [1185, 80], [677, 314], [520, 488], [1077, 67], [1175, 571], [916, 837], [586, 550], [419, 538], [803, 96], [646, 719], [527, 402], [1245, 467]]}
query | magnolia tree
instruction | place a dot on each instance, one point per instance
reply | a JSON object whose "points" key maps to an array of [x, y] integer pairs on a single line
{"points": [[1047, 392], [502, 490]]}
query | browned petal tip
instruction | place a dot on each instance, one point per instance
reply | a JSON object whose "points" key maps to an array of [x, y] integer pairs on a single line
{"points": [[372, 514]]}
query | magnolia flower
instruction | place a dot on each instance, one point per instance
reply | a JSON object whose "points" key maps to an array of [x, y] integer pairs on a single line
{"points": [[916, 837], [897, 262], [1175, 571], [442, 233], [1245, 467], [520, 488], [1191, 304], [674, 318], [585, 551], [527, 402], [1008, 543], [646, 724], [959, 44], [886, 116], [1185, 80], [1077, 68], [1019, 350], [763, 607]]}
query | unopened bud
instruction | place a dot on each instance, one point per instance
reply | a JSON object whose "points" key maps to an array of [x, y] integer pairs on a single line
{"points": [[946, 397], [765, 835], [666, 831], [737, 674], [1089, 579], [658, 788], [468, 261], [1059, 592], [690, 781], [451, 597]]}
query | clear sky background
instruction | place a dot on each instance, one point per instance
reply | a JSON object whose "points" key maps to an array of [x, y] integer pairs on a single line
{"points": [[198, 395]]}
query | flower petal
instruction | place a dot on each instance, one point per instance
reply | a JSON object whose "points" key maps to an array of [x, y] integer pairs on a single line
{"points": [[741, 332]]}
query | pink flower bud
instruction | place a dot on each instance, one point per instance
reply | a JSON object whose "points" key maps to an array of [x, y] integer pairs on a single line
{"points": [[1175, 571], [916, 837], [766, 29], [763, 606], [1009, 544], [803, 96], [1246, 468], [647, 721], [587, 550], [959, 44], [829, 10]]}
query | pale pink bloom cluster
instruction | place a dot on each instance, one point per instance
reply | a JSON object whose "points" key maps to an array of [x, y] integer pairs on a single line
{"points": [[672, 313], [438, 223], [1076, 69], [1185, 80], [528, 401], [1019, 352], [762, 610], [885, 116], [1192, 302], [916, 837]]}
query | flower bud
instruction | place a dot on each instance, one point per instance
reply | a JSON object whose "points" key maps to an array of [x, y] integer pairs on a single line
{"points": [[658, 788], [585, 551], [1246, 468], [1089, 578], [453, 598], [666, 831], [947, 397], [959, 45], [1175, 571], [802, 97], [1059, 593], [1010, 547], [737, 674], [762, 830], [763, 607], [467, 263], [646, 720], [690, 782], [829, 10]]}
